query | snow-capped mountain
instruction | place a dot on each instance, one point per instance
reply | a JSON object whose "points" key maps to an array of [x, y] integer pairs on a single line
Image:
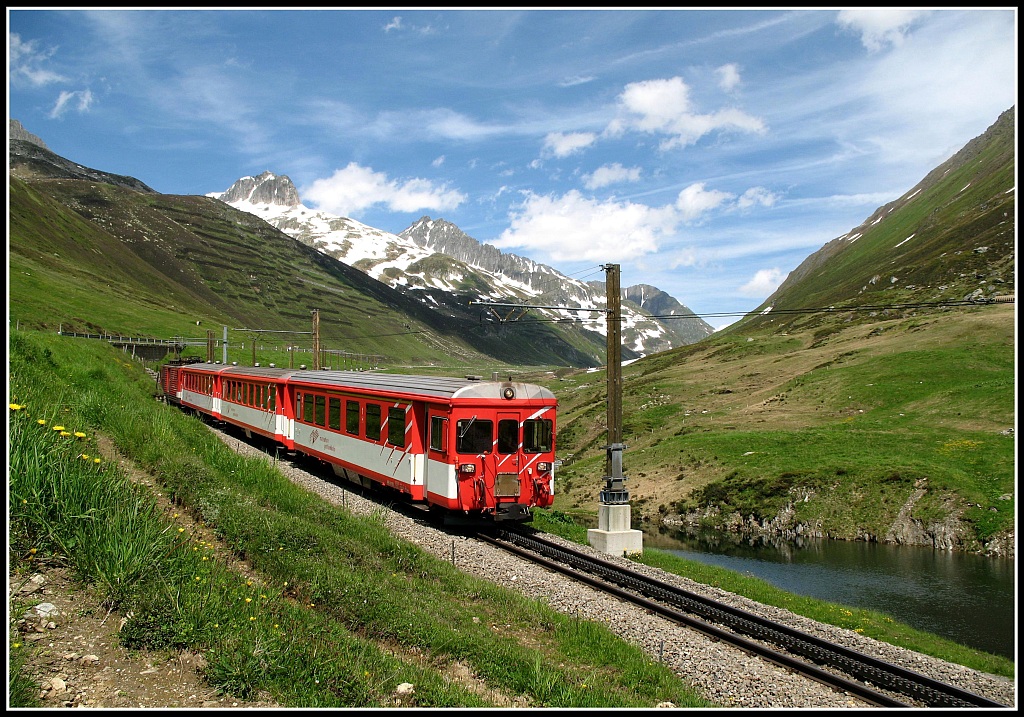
{"points": [[434, 259]]}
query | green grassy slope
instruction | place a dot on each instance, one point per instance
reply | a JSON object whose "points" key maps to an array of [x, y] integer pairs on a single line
{"points": [[846, 431]]}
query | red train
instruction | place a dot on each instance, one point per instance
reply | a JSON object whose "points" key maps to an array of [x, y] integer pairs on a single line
{"points": [[468, 447]]}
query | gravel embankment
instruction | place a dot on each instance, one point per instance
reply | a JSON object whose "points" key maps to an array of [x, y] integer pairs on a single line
{"points": [[722, 673]]}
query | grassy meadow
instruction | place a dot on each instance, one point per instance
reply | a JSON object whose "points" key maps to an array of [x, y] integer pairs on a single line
{"points": [[326, 577], [342, 612]]}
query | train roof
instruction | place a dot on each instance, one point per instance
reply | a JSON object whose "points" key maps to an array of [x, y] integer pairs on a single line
{"points": [[440, 387]]}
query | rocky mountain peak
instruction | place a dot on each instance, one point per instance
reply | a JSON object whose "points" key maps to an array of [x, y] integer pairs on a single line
{"points": [[267, 188], [19, 132]]}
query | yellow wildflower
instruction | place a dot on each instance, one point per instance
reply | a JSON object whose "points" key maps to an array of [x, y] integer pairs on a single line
{"points": [[79, 434], [58, 428], [96, 460], [40, 421], [16, 407]]}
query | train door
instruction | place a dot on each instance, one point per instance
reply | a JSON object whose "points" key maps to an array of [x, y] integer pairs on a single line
{"points": [[438, 472], [506, 457]]}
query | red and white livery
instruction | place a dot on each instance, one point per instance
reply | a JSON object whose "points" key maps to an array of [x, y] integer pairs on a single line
{"points": [[469, 447]]}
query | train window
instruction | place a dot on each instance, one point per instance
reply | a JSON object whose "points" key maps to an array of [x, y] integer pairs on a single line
{"points": [[307, 408], [352, 417], [438, 434], [320, 412], [334, 414], [396, 426], [537, 435], [474, 435], [508, 436], [298, 406], [272, 398], [373, 421]]}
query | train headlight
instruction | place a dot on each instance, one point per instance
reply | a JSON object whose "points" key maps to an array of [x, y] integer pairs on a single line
{"points": [[543, 467], [467, 468], [508, 393]]}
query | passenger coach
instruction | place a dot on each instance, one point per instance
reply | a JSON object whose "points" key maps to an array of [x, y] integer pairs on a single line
{"points": [[465, 446]]}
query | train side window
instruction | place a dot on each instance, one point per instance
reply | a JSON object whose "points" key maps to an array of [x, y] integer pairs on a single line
{"points": [[508, 436], [537, 435], [438, 433], [334, 414], [396, 426], [320, 410], [373, 421], [298, 406], [352, 417], [272, 398], [307, 408], [474, 435]]}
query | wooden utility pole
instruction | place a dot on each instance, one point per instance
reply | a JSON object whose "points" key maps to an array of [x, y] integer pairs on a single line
{"points": [[316, 339], [615, 491]]}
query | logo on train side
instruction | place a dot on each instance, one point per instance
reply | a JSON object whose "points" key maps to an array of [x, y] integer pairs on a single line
{"points": [[314, 436]]}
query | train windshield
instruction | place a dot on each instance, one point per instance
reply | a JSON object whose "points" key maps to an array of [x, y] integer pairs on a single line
{"points": [[537, 435], [474, 435]]}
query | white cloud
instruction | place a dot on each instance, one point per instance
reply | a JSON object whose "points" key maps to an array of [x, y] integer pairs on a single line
{"points": [[355, 188], [438, 162], [558, 144], [572, 227], [695, 200], [728, 76], [756, 196], [879, 27], [80, 101], [395, 24], [26, 63], [765, 282], [610, 174], [576, 80], [664, 107]]}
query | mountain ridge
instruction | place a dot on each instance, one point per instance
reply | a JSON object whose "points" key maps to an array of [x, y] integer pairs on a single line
{"points": [[407, 261]]}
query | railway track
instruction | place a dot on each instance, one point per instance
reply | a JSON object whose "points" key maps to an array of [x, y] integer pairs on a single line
{"points": [[870, 679]]}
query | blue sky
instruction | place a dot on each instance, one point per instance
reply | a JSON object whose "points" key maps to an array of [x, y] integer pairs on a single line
{"points": [[708, 152]]}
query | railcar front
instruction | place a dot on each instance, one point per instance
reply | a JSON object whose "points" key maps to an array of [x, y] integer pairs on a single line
{"points": [[494, 452]]}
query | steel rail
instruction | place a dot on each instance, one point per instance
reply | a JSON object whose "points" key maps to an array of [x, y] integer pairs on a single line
{"points": [[665, 598]]}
